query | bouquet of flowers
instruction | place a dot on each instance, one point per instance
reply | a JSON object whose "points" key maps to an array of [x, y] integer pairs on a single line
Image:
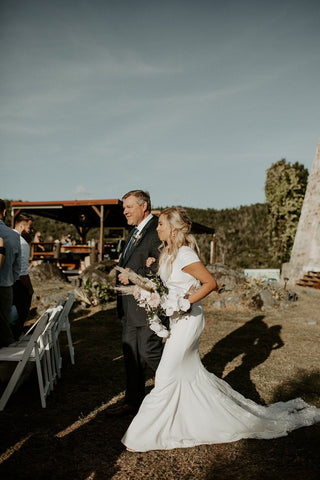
{"points": [[153, 296]]}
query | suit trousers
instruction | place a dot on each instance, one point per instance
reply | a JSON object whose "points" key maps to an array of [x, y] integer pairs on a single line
{"points": [[6, 336], [141, 348], [22, 302]]}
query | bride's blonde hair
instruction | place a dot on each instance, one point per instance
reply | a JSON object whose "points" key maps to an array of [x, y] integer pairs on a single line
{"points": [[179, 228]]}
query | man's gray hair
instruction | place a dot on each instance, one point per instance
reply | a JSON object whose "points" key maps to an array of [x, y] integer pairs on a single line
{"points": [[140, 196]]}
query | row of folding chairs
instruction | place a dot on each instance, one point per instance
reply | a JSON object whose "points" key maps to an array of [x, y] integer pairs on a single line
{"points": [[41, 346]]}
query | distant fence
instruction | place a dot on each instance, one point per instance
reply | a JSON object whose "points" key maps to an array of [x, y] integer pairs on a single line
{"points": [[68, 257], [272, 274]]}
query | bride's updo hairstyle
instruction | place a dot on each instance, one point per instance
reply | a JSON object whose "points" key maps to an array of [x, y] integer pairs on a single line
{"points": [[179, 228]]}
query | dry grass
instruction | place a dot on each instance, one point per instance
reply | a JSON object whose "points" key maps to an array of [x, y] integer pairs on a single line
{"points": [[266, 356]]}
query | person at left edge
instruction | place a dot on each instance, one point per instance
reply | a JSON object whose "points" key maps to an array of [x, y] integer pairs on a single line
{"points": [[22, 288], [2, 252], [8, 275], [141, 346]]}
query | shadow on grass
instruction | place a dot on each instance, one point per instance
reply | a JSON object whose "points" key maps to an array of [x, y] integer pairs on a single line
{"points": [[294, 457], [253, 341], [305, 385], [73, 436]]}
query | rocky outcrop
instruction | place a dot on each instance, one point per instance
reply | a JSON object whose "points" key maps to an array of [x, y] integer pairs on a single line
{"points": [[44, 272], [237, 292], [96, 287], [227, 278]]}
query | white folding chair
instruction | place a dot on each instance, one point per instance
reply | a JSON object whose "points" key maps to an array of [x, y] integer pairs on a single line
{"points": [[63, 324], [49, 340], [33, 351]]}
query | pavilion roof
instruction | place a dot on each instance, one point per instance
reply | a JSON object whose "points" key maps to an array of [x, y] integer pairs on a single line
{"points": [[86, 214], [81, 213]]}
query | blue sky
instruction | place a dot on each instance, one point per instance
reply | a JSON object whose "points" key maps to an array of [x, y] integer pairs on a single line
{"points": [[190, 100]]}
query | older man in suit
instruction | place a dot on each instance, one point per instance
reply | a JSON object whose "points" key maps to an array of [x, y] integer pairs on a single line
{"points": [[141, 346]]}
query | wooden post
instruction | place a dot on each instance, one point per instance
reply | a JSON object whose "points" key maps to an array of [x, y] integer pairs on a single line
{"points": [[93, 253], [213, 249], [82, 235], [100, 214], [56, 250], [31, 250], [13, 216], [101, 233]]}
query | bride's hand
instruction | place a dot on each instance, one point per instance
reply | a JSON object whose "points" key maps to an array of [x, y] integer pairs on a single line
{"points": [[191, 290], [150, 261]]}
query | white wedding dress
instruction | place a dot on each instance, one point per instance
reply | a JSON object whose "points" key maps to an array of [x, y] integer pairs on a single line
{"points": [[190, 406]]}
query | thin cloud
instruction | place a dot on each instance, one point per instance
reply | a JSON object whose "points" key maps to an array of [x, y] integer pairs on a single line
{"points": [[82, 191]]}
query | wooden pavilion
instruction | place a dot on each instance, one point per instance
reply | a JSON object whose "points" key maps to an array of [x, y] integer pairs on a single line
{"points": [[87, 214]]}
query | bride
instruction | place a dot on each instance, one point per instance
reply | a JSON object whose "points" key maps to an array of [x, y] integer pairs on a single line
{"points": [[188, 405]]}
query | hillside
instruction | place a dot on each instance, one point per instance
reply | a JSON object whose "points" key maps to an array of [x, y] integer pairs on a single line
{"points": [[241, 235]]}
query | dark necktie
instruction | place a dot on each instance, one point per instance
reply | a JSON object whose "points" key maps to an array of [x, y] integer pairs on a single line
{"points": [[130, 244]]}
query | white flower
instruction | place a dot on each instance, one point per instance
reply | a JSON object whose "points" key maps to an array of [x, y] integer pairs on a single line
{"points": [[154, 300], [170, 310], [168, 303], [156, 326], [175, 303], [145, 295], [154, 297], [184, 304], [137, 237]]}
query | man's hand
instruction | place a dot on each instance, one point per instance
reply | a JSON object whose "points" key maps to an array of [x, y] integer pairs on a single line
{"points": [[123, 278], [150, 261]]}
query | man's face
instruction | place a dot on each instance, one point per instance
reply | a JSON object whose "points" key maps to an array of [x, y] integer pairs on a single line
{"points": [[134, 212], [27, 231], [29, 227]]}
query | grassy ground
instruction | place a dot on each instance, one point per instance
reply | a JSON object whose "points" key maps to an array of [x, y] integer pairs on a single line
{"points": [[267, 356]]}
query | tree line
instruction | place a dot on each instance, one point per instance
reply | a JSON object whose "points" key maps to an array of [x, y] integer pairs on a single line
{"points": [[255, 236], [259, 235]]}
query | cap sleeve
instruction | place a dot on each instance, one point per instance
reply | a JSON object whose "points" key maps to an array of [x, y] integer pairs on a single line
{"points": [[187, 256]]}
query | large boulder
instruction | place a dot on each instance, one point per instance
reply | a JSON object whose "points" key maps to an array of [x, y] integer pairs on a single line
{"points": [[263, 300], [44, 272], [227, 278], [50, 286], [238, 292]]}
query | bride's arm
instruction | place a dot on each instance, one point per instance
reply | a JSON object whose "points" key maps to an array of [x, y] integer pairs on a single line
{"points": [[208, 283]]}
